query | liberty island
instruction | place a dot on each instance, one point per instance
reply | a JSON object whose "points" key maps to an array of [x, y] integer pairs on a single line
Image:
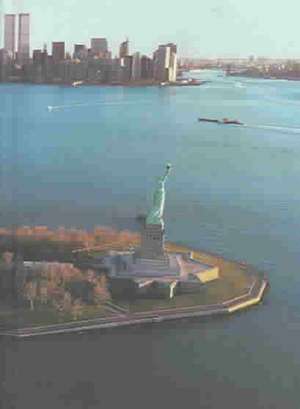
{"points": [[153, 282]]}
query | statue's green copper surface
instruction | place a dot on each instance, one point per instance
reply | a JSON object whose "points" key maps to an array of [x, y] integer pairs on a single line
{"points": [[155, 216]]}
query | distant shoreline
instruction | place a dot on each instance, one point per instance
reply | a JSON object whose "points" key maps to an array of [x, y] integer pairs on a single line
{"points": [[121, 84], [265, 77], [67, 85]]}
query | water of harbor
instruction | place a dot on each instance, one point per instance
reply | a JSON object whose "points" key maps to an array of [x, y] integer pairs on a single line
{"points": [[92, 158]]}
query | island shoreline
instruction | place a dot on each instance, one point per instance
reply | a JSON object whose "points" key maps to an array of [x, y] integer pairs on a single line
{"points": [[253, 297]]}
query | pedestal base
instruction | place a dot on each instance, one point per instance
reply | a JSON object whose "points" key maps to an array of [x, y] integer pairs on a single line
{"points": [[147, 267]]}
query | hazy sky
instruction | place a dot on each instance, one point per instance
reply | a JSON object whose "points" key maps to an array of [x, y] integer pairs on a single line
{"points": [[204, 28]]}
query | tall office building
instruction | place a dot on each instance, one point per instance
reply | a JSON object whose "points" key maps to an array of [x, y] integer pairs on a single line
{"points": [[99, 47], [40, 56], [10, 33], [161, 63], [126, 68], [37, 56], [146, 68], [136, 67], [80, 52], [4, 65], [173, 47], [124, 49], [58, 51], [165, 63], [24, 38], [172, 69]]}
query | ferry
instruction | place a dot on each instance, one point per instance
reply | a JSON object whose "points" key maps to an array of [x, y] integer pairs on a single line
{"points": [[77, 83], [188, 82], [224, 121]]}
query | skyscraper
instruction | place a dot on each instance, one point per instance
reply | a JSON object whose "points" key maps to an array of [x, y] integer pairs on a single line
{"points": [[136, 67], [4, 66], [173, 47], [24, 38], [126, 67], [146, 67], [161, 63], [165, 63], [99, 47], [37, 56], [80, 52], [124, 49], [10, 33], [173, 62], [58, 51]]}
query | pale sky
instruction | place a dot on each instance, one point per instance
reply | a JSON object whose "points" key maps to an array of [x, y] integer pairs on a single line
{"points": [[201, 28]]}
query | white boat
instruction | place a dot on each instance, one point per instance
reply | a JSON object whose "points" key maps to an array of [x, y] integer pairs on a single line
{"points": [[77, 83]]}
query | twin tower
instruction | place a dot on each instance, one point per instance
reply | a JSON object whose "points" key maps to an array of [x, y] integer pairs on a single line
{"points": [[10, 36]]}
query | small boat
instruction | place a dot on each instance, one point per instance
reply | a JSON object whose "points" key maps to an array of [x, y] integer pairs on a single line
{"points": [[77, 83], [224, 121], [187, 82]]}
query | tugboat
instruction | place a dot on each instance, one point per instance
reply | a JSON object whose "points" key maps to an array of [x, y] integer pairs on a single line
{"points": [[216, 121], [224, 121]]}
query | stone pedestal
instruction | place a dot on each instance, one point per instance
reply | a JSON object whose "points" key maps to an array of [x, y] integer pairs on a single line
{"points": [[156, 267], [153, 243]]}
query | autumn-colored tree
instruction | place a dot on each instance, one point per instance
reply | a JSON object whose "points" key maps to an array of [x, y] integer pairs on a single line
{"points": [[101, 291], [58, 277], [81, 290], [41, 242], [77, 309], [43, 291], [30, 292], [67, 302], [7, 257], [57, 297]]}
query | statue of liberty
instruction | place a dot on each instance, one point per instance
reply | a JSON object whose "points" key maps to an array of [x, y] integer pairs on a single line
{"points": [[155, 216]]}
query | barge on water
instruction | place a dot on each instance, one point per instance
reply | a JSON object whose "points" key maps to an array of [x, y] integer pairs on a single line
{"points": [[224, 121]]}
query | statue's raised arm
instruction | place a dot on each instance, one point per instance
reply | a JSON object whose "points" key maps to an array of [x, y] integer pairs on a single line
{"points": [[167, 172], [155, 216]]}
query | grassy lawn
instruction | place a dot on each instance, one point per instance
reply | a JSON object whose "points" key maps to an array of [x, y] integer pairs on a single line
{"points": [[48, 316]]}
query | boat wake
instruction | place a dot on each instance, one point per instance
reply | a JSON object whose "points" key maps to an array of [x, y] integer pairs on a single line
{"points": [[282, 101], [52, 108], [239, 85], [282, 129]]}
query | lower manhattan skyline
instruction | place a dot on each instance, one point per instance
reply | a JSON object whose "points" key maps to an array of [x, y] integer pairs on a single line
{"points": [[229, 28]]}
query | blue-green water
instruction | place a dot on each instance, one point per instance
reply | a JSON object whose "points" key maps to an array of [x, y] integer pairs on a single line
{"points": [[234, 190]]}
